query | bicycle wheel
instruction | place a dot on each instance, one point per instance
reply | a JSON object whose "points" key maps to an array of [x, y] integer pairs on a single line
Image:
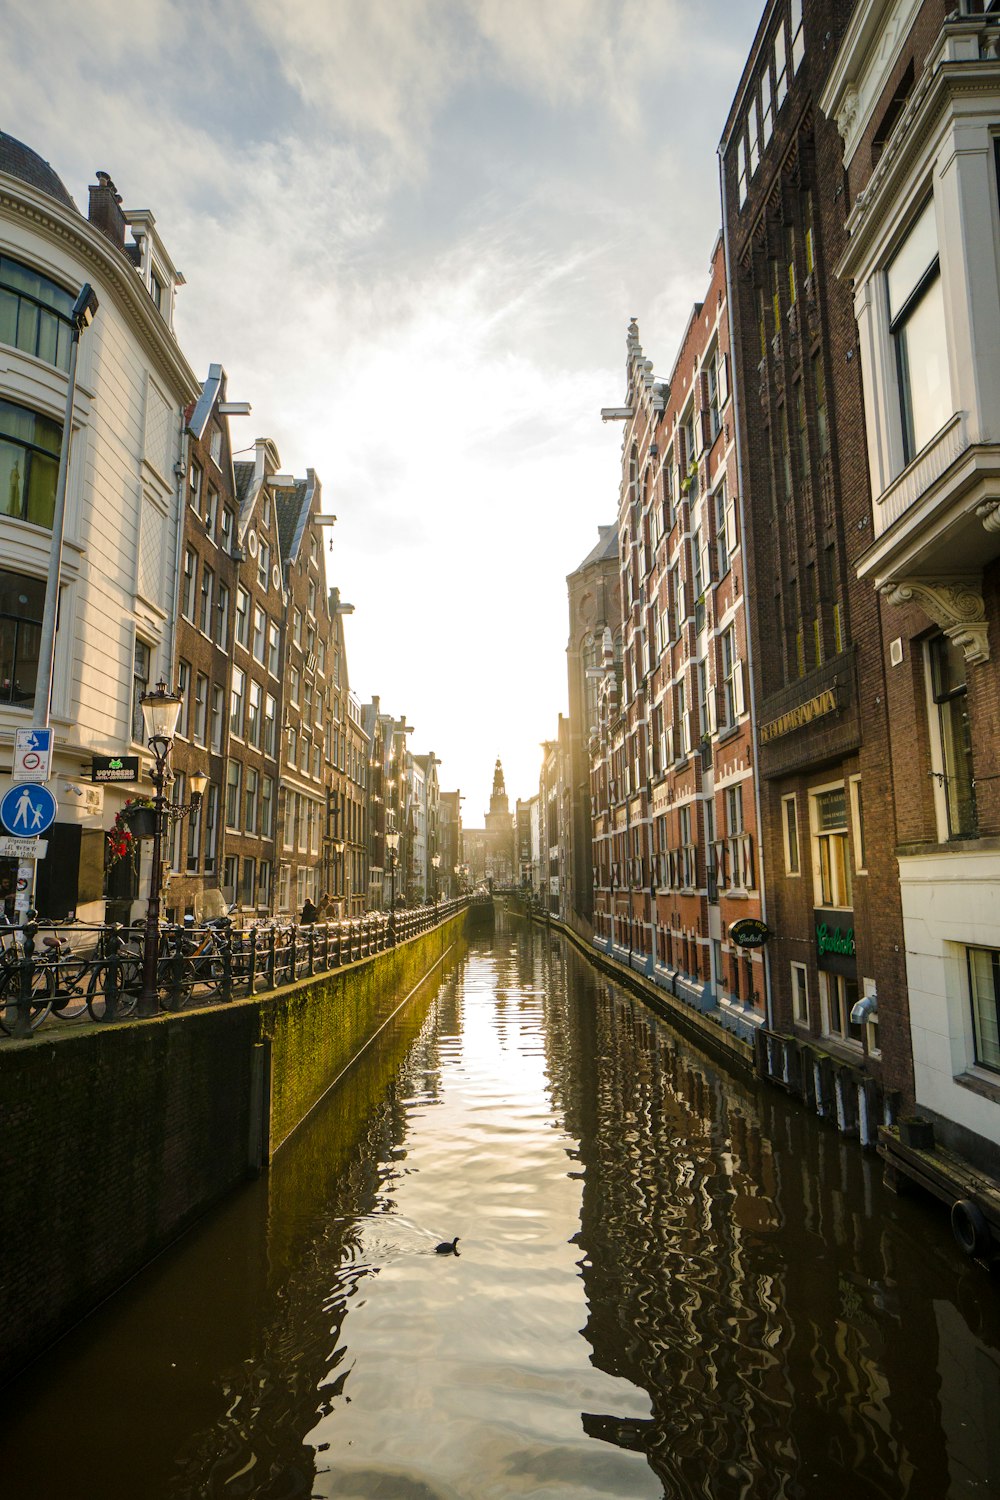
{"points": [[69, 995], [129, 985], [42, 988]]}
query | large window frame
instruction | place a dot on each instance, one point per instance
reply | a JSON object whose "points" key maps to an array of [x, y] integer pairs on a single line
{"points": [[951, 739], [35, 313], [984, 998], [831, 839], [918, 329], [20, 636], [30, 444]]}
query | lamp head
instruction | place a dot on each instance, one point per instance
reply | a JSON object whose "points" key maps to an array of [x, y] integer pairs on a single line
{"points": [[198, 782], [84, 307], [160, 711]]}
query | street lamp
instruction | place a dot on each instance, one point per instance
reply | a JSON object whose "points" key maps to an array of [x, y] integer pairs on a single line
{"points": [[391, 846], [436, 863], [160, 711]]}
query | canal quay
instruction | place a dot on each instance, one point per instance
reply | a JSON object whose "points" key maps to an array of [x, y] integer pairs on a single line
{"points": [[669, 1281]]}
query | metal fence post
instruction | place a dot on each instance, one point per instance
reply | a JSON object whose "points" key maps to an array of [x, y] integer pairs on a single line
{"points": [[25, 977], [272, 938], [226, 988], [252, 963], [112, 972]]}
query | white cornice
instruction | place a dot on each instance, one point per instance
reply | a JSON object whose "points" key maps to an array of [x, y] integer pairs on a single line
{"points": [[48, 217], [864, 61]]}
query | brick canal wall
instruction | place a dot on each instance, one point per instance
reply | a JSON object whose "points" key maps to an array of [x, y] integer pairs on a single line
{"points": [[115, 1139]]}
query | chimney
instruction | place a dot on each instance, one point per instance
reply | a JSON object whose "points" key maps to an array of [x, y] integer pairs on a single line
{"points": [[105, 210]]}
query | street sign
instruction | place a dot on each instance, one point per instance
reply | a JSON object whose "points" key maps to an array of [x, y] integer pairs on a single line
{"points": [[28, 810], [21, 849], [32, 755], [114, 768]]}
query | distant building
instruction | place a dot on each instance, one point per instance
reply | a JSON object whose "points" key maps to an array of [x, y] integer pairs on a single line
{"points": [[594, 592]]}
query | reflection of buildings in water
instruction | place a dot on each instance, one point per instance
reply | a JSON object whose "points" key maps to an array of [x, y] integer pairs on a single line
{"points": [[725, 1248]]}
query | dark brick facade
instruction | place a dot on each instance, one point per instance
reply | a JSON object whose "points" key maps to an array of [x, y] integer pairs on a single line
{"points": [[817, 633]]}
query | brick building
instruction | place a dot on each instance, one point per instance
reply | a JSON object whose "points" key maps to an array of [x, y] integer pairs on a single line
{"points": [[819, 676], [915, 91], [682, 808]]}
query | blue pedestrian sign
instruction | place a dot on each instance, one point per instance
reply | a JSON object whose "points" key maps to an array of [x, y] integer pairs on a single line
{"points": [[28, 810]]}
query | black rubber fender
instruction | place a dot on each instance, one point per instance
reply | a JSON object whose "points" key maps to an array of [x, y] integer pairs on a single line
{"points": [[970, 1228]]}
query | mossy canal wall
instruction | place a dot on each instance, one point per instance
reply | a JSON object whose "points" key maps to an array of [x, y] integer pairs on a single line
{"points": [[113, 1140]]}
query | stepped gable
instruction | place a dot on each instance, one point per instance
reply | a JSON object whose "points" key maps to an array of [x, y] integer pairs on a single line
{"points": [[18, 160]]}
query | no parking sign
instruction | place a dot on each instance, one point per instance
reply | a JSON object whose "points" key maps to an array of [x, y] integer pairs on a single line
{"points": [[32, 755]]}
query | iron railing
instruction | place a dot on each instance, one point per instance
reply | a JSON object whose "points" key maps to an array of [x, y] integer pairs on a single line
{"points": [[74, 970]]}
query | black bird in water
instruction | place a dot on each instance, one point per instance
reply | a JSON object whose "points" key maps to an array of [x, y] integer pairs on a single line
{"points": [[447, 1247]]}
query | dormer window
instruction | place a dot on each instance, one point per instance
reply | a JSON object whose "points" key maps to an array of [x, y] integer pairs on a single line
{"points": [[157, 291]]}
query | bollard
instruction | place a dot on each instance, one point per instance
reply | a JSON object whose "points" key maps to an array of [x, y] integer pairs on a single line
{"points": [[26, 977]]}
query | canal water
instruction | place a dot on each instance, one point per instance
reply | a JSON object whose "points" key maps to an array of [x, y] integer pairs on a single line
{"points": [[669, 1282]]}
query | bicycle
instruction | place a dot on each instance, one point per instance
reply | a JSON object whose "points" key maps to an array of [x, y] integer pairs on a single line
{"points": [[42, 984]]}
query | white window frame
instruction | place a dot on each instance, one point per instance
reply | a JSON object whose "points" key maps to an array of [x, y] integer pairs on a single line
{"points": [[857, 815], [800, 994], [815, 835]]}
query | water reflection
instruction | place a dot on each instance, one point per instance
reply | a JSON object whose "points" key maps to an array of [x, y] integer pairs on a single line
{"points": [[670, 1283]]}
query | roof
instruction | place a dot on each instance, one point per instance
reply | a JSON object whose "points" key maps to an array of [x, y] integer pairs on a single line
{"points": [[243, 476], [606, 549], [18, 160], [292, 506]]}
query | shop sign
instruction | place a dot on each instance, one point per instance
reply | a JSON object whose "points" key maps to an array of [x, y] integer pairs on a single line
{"points": [[115, 768], [800, 716], [749, 932], [835, 950]]}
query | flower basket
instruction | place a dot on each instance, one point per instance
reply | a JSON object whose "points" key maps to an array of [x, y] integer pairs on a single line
{"points": [[141, 821]]}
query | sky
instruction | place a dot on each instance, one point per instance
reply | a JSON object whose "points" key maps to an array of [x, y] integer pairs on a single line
{"points": [[414, 232]]}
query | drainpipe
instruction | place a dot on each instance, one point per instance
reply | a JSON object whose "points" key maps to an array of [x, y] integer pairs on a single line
{"points": [[769, 1012], [180, 475]]}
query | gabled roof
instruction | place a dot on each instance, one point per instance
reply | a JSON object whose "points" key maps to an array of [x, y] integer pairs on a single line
{"points": [[606, 549], [293, 508], [213, 390]]}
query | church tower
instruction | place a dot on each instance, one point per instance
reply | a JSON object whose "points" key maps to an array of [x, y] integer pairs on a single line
{"points": [[498, 801], [500, 832]]}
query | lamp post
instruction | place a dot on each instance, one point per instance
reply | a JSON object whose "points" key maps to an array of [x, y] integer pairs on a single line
{"points": [[436, 865], [160, 710], [391, 846]]}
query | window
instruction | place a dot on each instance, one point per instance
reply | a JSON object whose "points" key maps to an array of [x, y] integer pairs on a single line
{"points": [[838, 995], [819, 405], [292, 745], [273, 650], [917, 325], [741, 168], [236, 698], [267, 807], [215, 446], [141, 665], [29, 464], [222, 616], [251, 800], [790, 830], [34, 313], [953, 762], [196, 482], [189, 582], [184, 693], [800, 994], [253, 714], [767, 102], [211, 826], [833, 865], [858, 822], [753, 129], [205, 600], [264, 566], [270, 721], [297, 627], [725, 530], [293, 685], [732, 678], [227, 528], [211, 510], [242, 616], [229, 877], [193, 840], [259, 633], [249, 884], [780, 68], [200, 721], [264, 884], [22, 602], [984, 991], [798, 40], [218, 710], [156, 291], [234, 779], [176, 824]]}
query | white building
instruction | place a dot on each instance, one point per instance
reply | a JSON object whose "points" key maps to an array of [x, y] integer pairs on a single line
{"points": [[118, 579], [915, 91]]}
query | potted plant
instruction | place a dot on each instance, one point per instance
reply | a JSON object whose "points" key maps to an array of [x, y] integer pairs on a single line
{"points": [[135, 820]]}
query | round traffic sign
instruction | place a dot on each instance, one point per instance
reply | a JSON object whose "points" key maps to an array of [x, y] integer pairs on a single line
{"points": [[28, 809]]}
